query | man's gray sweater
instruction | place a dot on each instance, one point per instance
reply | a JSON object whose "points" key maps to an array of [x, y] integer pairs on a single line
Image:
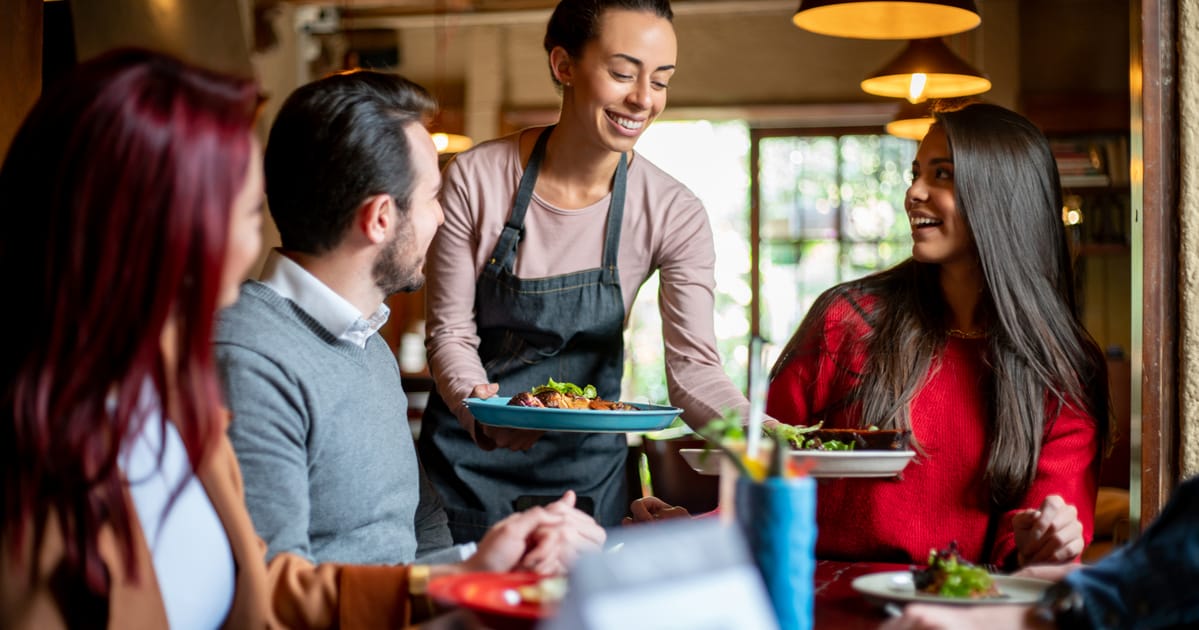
{"points": [[321, 433]]}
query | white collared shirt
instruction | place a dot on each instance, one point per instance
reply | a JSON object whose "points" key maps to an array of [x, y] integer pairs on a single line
{"points": [[287, 278]]}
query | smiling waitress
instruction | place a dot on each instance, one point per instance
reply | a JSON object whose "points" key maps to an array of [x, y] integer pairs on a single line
{"points": [[562, 225]]}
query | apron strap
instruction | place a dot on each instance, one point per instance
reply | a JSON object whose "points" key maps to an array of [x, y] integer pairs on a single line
{"points": [[504, 254], [615, 216]]}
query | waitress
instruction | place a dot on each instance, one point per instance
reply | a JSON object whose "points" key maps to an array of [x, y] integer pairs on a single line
{"points": [[562, 225]]}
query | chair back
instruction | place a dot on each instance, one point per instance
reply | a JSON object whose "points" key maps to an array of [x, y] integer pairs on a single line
{"points": [[674, 481]]}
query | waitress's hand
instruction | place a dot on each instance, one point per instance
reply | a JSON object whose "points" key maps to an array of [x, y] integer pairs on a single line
{"points": [[1051, 534], [489, 438]]}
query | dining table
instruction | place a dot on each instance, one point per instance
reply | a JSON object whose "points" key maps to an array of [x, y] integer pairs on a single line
{"points": [[836, 604]]}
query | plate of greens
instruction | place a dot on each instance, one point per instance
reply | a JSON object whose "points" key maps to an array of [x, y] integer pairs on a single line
{"points": [[899, 586]]}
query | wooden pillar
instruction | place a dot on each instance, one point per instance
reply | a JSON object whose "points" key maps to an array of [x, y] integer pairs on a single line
{"points": [[1156, 249], [20, 64], [484, 83]]}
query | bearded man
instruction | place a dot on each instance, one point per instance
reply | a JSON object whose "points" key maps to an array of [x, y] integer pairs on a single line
{"points": [[319, 415]]}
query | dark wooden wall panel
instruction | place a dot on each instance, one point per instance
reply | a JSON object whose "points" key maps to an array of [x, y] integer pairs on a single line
{"points": [[20, 64]]}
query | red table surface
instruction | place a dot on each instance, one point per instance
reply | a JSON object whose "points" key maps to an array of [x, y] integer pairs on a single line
{"points": [[837, 604]]}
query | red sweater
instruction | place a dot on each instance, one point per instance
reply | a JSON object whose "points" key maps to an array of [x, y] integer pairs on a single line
{"points": [[941, 495]]}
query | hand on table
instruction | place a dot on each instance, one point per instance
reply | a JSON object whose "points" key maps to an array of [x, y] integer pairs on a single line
{"points": [[489, 438], [1051, 534], [649, 509], [553, 549], [542, 539]]}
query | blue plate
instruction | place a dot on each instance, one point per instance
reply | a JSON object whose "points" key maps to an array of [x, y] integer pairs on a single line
{"points": [[496, 412]]}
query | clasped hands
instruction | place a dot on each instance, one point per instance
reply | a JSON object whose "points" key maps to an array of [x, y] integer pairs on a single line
{"points": [[546, 540], [1050, 534]]}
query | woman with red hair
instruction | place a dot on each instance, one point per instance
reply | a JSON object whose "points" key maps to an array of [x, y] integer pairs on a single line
{"points": [[132, 195]]}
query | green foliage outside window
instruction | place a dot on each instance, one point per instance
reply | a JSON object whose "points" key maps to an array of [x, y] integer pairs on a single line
{"points": [[832, 210]]}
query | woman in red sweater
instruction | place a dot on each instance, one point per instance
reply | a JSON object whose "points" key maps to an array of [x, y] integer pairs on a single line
{"points": [[973, 344]]}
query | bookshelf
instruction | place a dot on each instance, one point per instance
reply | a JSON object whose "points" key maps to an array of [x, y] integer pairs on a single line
{"points": [[1097, 211]]}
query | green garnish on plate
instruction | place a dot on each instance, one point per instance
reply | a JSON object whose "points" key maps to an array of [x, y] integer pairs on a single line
{"points": [[566, 388]]}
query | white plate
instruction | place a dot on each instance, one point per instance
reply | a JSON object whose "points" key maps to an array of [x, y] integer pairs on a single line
{"points": [[832, 464], [897, 586]]}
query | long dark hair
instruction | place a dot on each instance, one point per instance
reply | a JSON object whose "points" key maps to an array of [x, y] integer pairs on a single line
{"points": [[576, 22], [116, 193], [1008, 192]]}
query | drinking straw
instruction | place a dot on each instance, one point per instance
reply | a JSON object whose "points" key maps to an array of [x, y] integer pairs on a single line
{"points": [[757, 398]]}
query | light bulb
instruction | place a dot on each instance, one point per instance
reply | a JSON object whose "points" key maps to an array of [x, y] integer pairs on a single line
{"points": [[916, 87], [441, 141]]}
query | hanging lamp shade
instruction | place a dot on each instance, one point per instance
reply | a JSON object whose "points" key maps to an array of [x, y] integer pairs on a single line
{"points": [[886, 19], [926, 69], [911, 121], [444, 141]]}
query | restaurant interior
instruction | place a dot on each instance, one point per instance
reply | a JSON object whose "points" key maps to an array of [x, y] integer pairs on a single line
{"points": [[758, 104]]}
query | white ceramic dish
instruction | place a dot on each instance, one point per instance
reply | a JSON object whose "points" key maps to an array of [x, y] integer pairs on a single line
{"points": [[896, 586], [827, 464]]}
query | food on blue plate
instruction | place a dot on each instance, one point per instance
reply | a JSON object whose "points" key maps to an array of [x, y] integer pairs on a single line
{"points": [[948, 575], [814, 437], [555, 395]]}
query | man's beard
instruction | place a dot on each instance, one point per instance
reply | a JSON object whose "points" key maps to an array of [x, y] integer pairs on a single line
{"points": [[389, 272]]}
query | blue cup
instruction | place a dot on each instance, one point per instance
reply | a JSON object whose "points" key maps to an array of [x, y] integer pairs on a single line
{"points": [[778, 518]]}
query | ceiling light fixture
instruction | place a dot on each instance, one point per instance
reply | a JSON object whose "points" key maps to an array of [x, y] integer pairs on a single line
{"points": [[444, 141], [887, 19], [451, 142], [926, 69], [911, 121]]}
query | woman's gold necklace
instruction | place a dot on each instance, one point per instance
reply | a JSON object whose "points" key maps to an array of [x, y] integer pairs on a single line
{"points": [[962, 334]]}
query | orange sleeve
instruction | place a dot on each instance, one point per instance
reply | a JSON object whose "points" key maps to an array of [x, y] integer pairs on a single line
{"points": [[345, 596]]}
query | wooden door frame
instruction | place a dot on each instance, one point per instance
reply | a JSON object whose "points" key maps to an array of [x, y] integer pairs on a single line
{"points": [[1155, 154]]}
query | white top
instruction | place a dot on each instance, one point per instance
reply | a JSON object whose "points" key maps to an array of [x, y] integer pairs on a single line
{"points": [[188, 544], [330, 310]]}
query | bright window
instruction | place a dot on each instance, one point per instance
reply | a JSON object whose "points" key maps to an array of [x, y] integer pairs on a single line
{"points": [[831, 209]]}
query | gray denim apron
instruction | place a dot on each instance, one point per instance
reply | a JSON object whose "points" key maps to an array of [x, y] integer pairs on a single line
{"points": [[566, 327]]}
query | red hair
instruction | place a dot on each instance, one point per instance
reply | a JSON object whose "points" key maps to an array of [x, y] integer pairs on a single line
{"points": [[116, 193]]}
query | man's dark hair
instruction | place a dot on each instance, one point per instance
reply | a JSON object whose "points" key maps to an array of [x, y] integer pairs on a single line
{"points": [[336, 142]]}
